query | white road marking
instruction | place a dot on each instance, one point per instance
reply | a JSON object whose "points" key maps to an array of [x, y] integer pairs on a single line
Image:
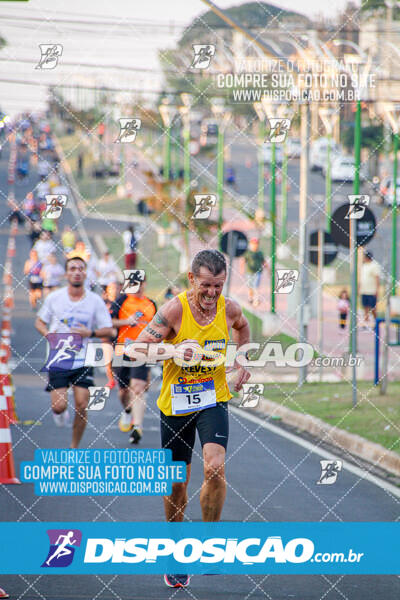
{"points": [[323, 453]]}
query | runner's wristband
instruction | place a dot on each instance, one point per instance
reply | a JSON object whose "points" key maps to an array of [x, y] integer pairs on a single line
{"points": [[93, 334]]}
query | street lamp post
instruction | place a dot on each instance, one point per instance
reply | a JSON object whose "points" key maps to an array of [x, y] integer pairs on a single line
{"points": [[359, 59], [303, 259], [284, 111], [328, 117], [264, 111], [222, 116], [284, 193], [353, 252], [167, 112], [394, 213], [389, 110], [268, 110], [185, 116], [273, 223], [167, 155], [261, 134]]}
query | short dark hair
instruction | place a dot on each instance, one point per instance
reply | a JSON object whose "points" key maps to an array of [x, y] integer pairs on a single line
{"points": [[74, 258], [213, 260]]}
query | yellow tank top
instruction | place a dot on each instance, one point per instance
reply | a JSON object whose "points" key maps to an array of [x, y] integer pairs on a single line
{"points": [[214, 336]]}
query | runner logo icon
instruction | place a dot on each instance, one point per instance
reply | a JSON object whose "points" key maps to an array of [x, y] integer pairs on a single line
{"points": [[251, 394], [203, 54], [50, 53], [62, 348], [128, 129], [204, 204], [54, 205], [98, 397], [279, 129], [63, 543], [132, 280], [329, 471], [286, 280], [358, 204]]}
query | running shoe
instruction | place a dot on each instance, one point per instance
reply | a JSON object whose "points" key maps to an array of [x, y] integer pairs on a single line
{"points": [[125, 421], [177, 581], [136, 435], [3, 593], [61, 419]]}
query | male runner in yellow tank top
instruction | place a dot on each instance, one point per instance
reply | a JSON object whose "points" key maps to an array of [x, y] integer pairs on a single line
{"points": [[204, 315]]}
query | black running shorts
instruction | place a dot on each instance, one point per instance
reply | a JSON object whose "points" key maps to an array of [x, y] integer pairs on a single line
{"points": [[124, 374], [82, 377], [179, 433]]}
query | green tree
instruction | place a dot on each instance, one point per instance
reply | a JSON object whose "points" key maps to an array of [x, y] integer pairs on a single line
{"points": [[371, 137], [378, 5]]}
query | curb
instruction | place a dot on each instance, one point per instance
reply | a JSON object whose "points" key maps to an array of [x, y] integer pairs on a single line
{"points": [[369, 451]]}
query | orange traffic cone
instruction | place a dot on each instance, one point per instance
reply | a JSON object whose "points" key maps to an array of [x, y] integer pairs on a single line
{"points": [[6, 390], [8, 300], [5, 342], [13, 230], [11, 247], [7, 277], [7, 468]]}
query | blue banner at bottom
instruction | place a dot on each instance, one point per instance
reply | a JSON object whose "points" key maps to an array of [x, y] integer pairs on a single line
{"points": [[214, 548]]}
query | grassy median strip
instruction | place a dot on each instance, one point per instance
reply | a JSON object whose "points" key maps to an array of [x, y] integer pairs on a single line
{"points": [[376, 418]]}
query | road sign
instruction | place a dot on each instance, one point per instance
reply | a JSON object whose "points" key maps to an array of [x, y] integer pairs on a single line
{"points": [[330, 249], [340, 226], [238, 240]]}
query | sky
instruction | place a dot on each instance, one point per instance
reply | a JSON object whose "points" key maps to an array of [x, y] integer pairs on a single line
{"points": [[181, 10], [136, 49]]}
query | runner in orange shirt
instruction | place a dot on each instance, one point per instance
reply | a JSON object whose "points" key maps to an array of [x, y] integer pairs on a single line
{"points": [[131, 313]]}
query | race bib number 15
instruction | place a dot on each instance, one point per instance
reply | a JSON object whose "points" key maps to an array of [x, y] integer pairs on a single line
{"points": [[192, 397]]}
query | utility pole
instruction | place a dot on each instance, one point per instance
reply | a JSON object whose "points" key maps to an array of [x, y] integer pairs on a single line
{"points": [[354, 255], [284, 193], [273, 223], [303, 259], [394, 213]]}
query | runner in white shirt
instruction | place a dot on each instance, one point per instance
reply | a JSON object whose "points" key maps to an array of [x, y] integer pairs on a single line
{"points": [[92, 271], [130, 247], [52, 274], [42, 189], [108, 270], [369, 285], [44, 247], [43, 168], [72, 310]]}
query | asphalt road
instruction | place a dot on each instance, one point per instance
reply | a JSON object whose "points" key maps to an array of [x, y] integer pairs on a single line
{"points": [[269, 479]]}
